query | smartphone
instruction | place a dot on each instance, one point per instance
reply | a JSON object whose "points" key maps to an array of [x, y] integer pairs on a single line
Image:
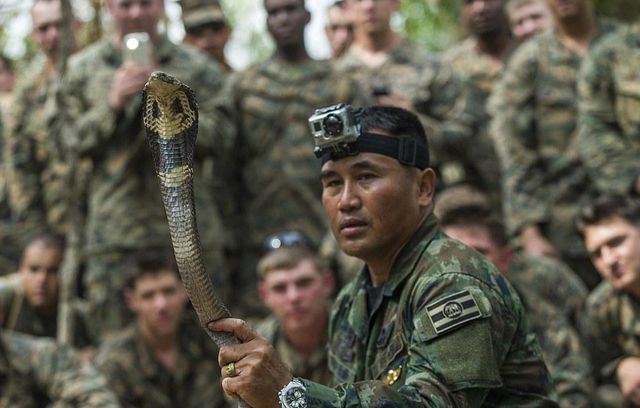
{"points": [[137, 48]]}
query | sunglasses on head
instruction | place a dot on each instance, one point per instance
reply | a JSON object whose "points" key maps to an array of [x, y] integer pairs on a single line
{"points": [[286, 239]]}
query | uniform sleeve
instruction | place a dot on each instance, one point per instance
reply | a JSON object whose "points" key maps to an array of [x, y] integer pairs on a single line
{"points": [[117, 377], [513, 130], [610, 156]]}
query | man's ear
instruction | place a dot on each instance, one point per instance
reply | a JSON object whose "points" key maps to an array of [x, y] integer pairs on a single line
{"points": [[329, 281], [427, 187], [262, 292], [130, 300]]}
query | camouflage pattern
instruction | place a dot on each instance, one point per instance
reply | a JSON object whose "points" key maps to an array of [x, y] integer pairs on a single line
{"points": [[553, 281], [37, 372], [9, 248], [438, 96], [315, 368], [611, 327], [480, 72], [124, 210], [140, 380], [17, 314], [609, 107], [534, 110], [402, 354], [563, 352], [272, 154]]}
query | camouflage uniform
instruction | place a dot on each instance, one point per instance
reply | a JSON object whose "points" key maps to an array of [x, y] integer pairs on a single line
{"points": [[609, 103], [534, 130], [9, 249], [438, 96], [315, 369], [37, 372], [563, 352], [272, 152], [141, 381], [124, 206], [553, 281], [481, 73], [17, 314], [446, 329]]}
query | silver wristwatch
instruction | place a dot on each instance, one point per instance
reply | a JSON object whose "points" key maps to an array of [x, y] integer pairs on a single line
{"points": [[294, 395]]}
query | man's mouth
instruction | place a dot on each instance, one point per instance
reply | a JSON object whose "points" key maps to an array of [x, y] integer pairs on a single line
{"points": [[352, 226]]}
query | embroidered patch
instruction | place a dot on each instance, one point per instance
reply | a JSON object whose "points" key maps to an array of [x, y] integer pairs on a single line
{"points": [[453, 311]]}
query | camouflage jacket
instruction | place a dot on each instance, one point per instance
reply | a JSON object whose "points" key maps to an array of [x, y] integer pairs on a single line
{"points": [[448, 330], [562, 349], [314, 369], [609, 111], [141, 381], [553, 281], [534, 110], [37, 372], [611, 326]]}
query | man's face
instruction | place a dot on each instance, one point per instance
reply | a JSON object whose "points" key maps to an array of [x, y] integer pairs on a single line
{"points": [[39, 272], [297, 297], [529, 19], [372, 16], [159, 301], [286, 20], [563, 9], [132, 16], [483, 16], [374, 204], [614, 248], [46, 32], [339, 30], [479, 238], [209, 38]]}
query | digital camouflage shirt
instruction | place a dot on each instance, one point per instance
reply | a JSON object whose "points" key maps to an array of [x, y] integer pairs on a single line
{"points": [[609, 103], [447, 330]]}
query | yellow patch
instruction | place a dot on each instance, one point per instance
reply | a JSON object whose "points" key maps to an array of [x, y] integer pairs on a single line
{"points": [[392, 375]]}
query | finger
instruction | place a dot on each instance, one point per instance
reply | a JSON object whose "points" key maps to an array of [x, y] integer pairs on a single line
{"points": [[235, 353], [237, 327]]}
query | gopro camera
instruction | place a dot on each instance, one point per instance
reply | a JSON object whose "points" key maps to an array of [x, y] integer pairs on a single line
{"points": [[334, 127]]}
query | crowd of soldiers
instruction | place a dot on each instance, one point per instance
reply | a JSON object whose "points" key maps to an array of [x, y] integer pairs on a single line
{"points": [[533, 124]]}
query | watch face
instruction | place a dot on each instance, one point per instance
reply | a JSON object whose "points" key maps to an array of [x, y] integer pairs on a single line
{"points": [[295, 398]]}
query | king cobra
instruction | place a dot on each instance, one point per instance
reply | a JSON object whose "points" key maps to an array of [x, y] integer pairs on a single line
{"points": [[170, 119]]}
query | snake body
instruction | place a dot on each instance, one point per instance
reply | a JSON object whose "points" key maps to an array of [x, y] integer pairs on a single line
{"points": [[170, 117]]}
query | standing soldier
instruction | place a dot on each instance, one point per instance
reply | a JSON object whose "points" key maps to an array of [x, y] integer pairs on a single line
{"points": [[528, 18], [534, 109], [609, 104], [339, 28], [206, 28], [101, 111]]}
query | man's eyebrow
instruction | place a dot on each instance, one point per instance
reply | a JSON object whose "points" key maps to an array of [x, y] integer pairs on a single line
{"points": [[365, 165], [326, 174]]}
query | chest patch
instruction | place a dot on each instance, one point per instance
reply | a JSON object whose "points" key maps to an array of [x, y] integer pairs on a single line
{"points": [[453, 311]]}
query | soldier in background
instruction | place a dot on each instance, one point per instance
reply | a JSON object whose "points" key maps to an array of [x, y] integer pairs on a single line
{"points": [[339, 28], [609, 112], [534, 109], [528, 18], [163, 359], [206, 29]]}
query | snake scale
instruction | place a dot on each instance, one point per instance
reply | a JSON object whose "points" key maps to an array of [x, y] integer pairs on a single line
{"points": [[170, 117]]}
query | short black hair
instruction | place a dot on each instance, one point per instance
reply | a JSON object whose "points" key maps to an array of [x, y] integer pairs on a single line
{"points": [[48, 240], [476, 215], [608, 206], [149, 261], [396, 122]]}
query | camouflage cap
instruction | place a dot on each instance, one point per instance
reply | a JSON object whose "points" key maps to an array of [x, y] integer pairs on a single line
{"points": [[460, 196], [198, 12]]}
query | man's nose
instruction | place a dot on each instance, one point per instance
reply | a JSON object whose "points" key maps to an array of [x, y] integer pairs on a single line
{"points": [[349, 198]]}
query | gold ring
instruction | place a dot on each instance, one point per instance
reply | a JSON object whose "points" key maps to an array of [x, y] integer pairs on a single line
{"points": [[230, 370]]}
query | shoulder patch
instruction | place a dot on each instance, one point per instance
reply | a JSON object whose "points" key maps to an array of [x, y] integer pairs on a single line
{"points": [[453, 311]]}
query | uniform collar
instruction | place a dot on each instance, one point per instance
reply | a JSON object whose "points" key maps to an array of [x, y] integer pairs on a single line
{"points": [[150, 365]]}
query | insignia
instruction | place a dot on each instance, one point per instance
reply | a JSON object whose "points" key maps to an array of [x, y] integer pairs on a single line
{"points": [[453, 311], [392, 375]]}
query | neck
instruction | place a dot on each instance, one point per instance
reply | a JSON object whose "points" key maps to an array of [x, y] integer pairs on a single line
{"points": [[308, 340], [51, 66], [578, 30], [159, 344], [496, 44], [375, 42], [293, 53]]}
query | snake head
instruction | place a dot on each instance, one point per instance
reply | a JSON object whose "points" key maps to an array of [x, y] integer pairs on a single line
{"points": [[162, 85]]}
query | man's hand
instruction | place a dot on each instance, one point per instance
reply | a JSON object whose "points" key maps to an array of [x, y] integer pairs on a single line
{"points": [[259, 373], [128, 81], [628, 373], [534, 243]]}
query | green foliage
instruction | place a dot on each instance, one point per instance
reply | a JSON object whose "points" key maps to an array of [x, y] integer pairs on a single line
{"points": [[432, 23], [625, 10]]}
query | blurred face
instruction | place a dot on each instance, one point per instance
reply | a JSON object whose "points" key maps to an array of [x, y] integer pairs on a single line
{"points": [[529, 19], [39, 272], [46, 18], [614, 248], [209, 38], [374, 204], [297, 297], [373, 16], [132, 16], [483, 16], [286, 20], [339, 30], [479, 238], [159, 301], [567, 8]]}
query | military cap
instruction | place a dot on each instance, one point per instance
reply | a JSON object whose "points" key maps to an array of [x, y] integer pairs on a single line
{"points": [[198, 12], [458, 197]]}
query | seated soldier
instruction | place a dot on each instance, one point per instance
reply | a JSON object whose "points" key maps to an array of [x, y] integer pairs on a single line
{"points": [[36, 372], [471, 222], [611, 324], [29, 298], [163, 359], [296, 286]]}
